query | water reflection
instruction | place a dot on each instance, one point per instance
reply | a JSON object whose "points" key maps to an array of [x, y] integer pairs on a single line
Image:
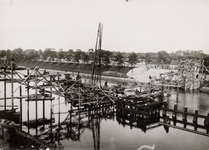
{"points": [[137, 122], [75, 124]]}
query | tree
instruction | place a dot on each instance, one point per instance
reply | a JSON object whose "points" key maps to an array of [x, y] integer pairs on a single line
{"points": [[70, 54], [40, 53], [206, 61], [77, 55], [147, 57], [91, 54], [119, 59], [31, 54], [173, 56], [163, 57], [60, 54], [9, 53], [3, 53], [50, 54], [17, 54], [200, 54], [85, 57], [132, 59], [105, 56]]}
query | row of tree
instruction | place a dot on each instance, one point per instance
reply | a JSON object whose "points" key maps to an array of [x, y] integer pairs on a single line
{"points": [[107, 57]]}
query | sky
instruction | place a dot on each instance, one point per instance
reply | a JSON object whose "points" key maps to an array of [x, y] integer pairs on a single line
{"points": [[133, 26]]}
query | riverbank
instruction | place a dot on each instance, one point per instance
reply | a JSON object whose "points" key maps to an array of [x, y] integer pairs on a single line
{"points": [[120, 74], [115, 71]]}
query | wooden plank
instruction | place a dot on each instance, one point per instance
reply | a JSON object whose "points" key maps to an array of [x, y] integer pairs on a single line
{"points": [[40, 99], [8, 106], [16, 97], [14, 80], [7, 72], [3, 79]]}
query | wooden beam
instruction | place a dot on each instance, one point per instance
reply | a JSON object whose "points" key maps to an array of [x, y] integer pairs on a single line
{"points": [[40, 99], [8, 106], [18, 97]]}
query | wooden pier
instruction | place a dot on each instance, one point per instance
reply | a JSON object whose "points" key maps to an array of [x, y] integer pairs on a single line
{"points": [[181, 118]]}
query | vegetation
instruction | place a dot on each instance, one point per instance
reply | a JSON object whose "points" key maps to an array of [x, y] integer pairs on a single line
{"points": [[119, 59], [132, 59], [163, 57], [107, 57]]}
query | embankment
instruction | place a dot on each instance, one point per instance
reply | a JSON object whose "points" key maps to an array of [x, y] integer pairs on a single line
{"points": [[116, 71]]}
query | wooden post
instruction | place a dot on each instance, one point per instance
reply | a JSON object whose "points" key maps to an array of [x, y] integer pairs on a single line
{"points": [[79, 122], [113, 107], [58, 103], [167, 119], [79, 97], [12, 88], [164, 113], [174, 114], [36, 105], [185, 116], [28, 101], [5, 90], [44, 108], [20, 106], [177, 92], [195, 120], [51, 111], [206, 122]]}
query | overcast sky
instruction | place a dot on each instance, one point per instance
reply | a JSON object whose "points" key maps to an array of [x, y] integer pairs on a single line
{"points": [[133, 26]]}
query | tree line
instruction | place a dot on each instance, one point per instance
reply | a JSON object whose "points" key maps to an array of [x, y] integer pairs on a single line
{"points": [[107, 57]]}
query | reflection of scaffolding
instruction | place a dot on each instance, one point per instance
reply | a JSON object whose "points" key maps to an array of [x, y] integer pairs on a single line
{"points": [[76, 122], [96, 132], [138, 121]]}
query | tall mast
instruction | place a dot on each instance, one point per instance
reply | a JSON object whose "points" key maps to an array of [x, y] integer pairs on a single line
{"points": [[96, 68]]}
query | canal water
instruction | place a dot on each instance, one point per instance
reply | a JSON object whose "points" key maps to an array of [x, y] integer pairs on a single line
{"points": [[110, 134]]}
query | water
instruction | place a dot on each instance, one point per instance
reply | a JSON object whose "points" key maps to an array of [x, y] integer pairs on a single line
{"points": [[106, 133], [116, 136]]}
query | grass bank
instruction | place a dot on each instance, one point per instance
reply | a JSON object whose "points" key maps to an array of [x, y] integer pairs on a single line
{"points": [[116, 71]]}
